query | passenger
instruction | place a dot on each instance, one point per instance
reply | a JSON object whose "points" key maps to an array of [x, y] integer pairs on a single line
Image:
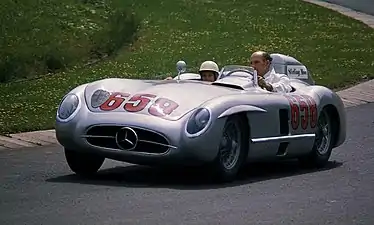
{"points": [[208, 71]]}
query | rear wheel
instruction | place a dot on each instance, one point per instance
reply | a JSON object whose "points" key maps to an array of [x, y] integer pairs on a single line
{"points": [[83, 164], [323, 143], [233, 149]]}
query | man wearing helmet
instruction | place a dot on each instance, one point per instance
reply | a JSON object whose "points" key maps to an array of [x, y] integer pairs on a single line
{"points": [[208, 71], [267, 77]]}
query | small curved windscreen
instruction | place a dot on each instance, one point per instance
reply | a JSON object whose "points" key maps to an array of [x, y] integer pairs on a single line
{"points": [[225, 71], [188, 76]]}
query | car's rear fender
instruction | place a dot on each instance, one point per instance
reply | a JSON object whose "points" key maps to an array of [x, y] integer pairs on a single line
{"points": [[333, 103]]}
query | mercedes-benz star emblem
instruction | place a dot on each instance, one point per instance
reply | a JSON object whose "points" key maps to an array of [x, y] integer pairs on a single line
{"points": [[126, 138]]}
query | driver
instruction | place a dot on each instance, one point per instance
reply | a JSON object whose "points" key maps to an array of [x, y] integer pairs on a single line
{"points": [[267, 77], [208, 71]]}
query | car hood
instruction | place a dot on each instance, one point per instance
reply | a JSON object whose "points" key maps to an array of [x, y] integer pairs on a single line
{"points": [[187, 95]]}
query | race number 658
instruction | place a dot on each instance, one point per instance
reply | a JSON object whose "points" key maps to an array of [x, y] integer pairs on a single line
{"points": [[138, 102], [303, 111]]}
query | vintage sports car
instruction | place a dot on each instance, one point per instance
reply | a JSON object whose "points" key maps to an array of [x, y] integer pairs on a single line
{"points": [[188, 122]]}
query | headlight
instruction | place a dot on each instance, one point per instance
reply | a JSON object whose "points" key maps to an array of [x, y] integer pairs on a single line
{"points": [[198, 121], [99, 97], [68, 106]]}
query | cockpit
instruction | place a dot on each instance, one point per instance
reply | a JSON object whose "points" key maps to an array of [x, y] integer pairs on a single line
{"points": [[239, 75], [229, 70], [237, 71]]}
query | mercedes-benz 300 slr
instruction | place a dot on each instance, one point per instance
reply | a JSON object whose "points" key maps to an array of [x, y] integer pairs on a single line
{"points": [[188, 122]]}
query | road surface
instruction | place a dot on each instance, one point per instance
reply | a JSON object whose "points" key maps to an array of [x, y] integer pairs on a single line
{"points": [[365, 6], [36, 187]]}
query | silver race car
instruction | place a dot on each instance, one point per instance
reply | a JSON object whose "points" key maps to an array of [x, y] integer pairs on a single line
{"points": [[188, 122]]}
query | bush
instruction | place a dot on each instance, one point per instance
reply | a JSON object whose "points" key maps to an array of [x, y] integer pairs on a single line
{"points": [[47, 36]]}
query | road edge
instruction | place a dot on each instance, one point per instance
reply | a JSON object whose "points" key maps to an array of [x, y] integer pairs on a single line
{"points": [[360, 16]]}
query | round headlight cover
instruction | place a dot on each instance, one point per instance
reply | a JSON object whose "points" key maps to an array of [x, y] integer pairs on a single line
{"points": [[68, 106], [198, 121], [99, 97]]}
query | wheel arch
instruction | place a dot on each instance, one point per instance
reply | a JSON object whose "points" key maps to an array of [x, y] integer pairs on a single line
{"points": [[332, 111], [243, 115], [332, 102], [243, 112], [240, 109]]}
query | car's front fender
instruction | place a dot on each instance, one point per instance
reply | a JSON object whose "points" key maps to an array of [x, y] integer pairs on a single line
{"points": [[240, 108]]}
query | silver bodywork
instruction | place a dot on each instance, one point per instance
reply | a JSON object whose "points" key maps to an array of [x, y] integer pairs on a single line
{"points": [[159, 138]]}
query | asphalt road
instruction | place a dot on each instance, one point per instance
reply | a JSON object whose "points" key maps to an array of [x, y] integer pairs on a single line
{"points": [[36, 187], [365, 6]]}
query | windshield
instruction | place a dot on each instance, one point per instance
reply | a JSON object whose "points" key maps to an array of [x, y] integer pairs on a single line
{"points": [[188, 76], [236, 76], [229, 68]]}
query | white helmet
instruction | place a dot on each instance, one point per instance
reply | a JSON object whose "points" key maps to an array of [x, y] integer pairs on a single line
{"points": [[209, 66]]}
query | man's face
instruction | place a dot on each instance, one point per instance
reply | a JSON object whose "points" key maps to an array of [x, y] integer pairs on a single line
{"points": [[207, 76], [260, 64]]}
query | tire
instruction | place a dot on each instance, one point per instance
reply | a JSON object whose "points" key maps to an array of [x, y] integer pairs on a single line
{"points": [[320, 155], [223, 169], [83, 164]]}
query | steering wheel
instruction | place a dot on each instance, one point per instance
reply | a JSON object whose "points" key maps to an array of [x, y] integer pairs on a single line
{"points": [[239, 70]]}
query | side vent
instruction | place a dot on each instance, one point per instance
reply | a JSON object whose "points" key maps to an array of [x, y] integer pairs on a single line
{"points": [[282, 150], [284, 130], [283, 122]]}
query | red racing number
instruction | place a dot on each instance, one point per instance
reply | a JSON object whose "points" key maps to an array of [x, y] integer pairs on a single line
{"points": [[138, 102], [313, 112], [303, 111], [114, 101], [162, 107]]}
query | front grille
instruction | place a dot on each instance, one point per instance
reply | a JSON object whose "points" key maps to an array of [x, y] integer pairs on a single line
{"points": [[148, 141]]}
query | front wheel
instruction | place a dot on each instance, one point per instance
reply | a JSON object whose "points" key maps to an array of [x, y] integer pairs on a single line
{"points": [[233, 149], [323, 143], [83, 164]]}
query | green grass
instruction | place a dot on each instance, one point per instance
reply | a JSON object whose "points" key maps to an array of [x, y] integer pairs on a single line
{"points": [[338, 50], [47, 36]]}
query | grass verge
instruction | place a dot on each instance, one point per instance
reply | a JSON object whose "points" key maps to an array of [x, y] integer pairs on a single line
{"points": [[337, 49], [47, 36]]}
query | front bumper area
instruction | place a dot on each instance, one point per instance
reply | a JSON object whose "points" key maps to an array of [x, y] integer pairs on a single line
{"points": [[161, 142]]}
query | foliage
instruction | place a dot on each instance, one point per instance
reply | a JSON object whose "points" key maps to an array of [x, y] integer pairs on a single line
{"points": [[337, 49], [47, 36]]}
